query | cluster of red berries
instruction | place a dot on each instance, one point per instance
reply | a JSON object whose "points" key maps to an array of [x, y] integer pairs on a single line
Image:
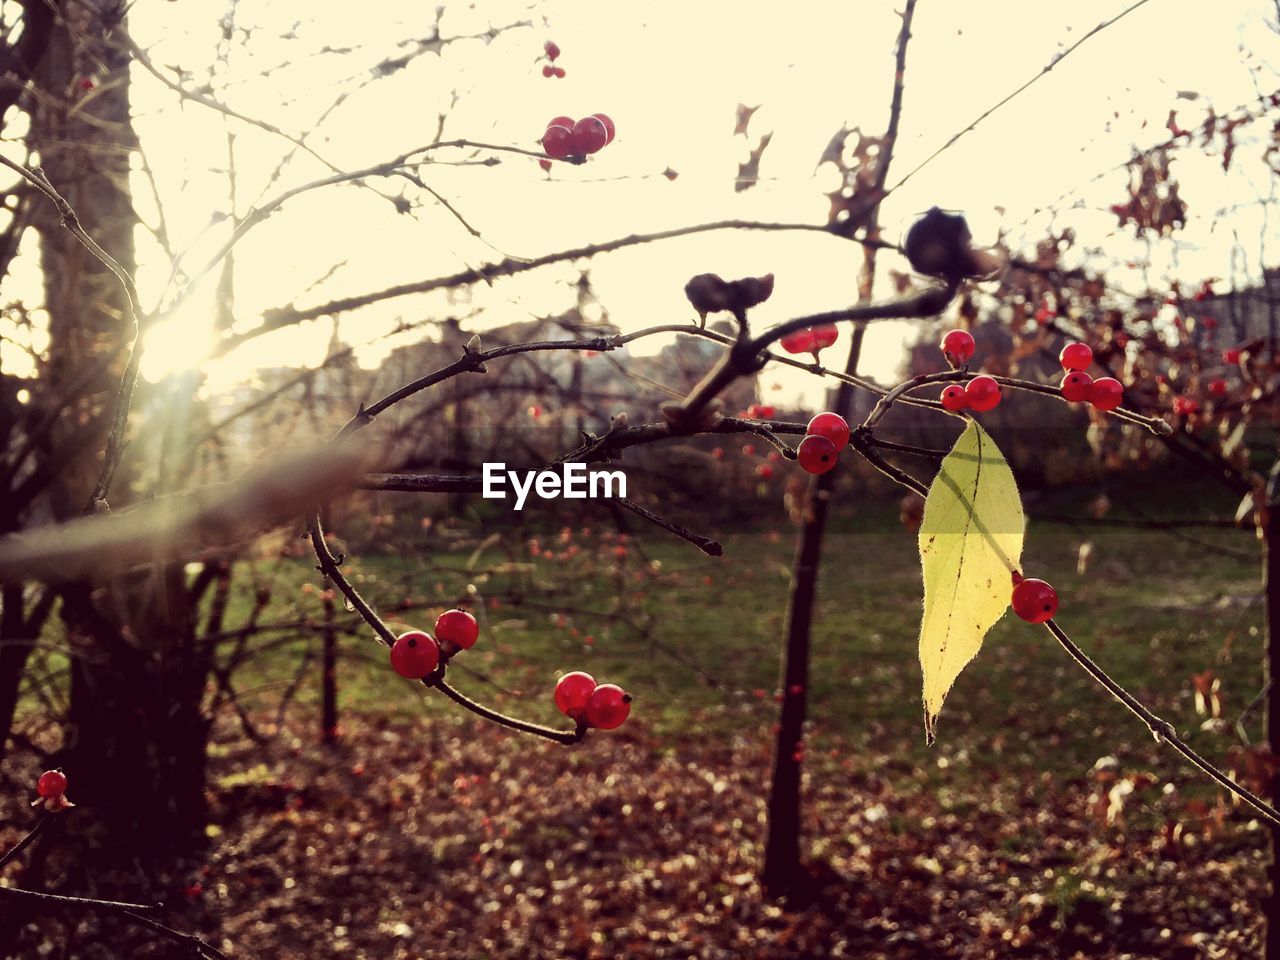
{"points": [[982, 393], [552, 51], [1033, 600], [580, 698], [51, 790], [415, 653], [825, 436], [565, 137], [1105, 393], [810, 340]]}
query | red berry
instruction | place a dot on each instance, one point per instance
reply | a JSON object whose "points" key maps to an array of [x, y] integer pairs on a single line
{"points": [[551, 49], [545, 164], [824, 337], [52, 783], [548, 71], [954, 397], [749, 449], [1185, 406], [457, 627], [608, 126], [561, 121], [816, 454], [1218, 387], [718, 453], [1077, 386], [1076, 356], [559, 72], [799, 342], [573, 693], [1034, 601], [957, 347], [1106, 393], [983, 393], [765, 471], [414, 654], [1231, 355], [608, 707], [557, 142], [589, 136], [832, 426]]}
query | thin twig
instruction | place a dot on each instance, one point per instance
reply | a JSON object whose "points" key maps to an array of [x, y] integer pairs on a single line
{"points": [[22, 844], [711, 548], [1162, 730]]}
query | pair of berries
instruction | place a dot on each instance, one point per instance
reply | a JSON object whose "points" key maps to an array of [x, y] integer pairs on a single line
{"points": [[565, 137], [826, 435], [51, 790], [1033, 600], [810, 340], [580, 698], [1105, 393], [982, 393], [415, 654], [552, 51]]}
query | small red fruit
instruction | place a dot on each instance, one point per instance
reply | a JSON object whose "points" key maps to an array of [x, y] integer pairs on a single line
{"points": [[609, 706], [824, 337], [765, 471], [1106, 393], [799, 342], [983, 393], [608, 126], [573, 693], [561, 121], [749, 449], [52, 783], [1231, 355], [548, 71], [1218, 387], [1077, 386], [457, 627], [1034, 600], [957, 347], [558, 72], [1076, 356], [718, 453], [954, 398], [832, 426], [551, 49], [589, 136], [557, 142], [816, 454], [1185, 406], [414, 654], [545, 164]]}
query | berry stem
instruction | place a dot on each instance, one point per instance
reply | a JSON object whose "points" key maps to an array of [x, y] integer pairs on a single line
{"points": [[567, 737], [1162, 730]]}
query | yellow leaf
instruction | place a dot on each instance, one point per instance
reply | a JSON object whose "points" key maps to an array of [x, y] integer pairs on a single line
{"points": [[970, 544]]}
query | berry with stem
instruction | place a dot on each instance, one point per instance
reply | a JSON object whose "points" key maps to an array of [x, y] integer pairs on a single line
{"points": [[832, 426], [551, 49], [954, 398], [801, 341], [983, 393], [1106, 393], [52, 783], [824, 337], [457, 627], [573, 693], [1077, 386], [1034, 600], [816, 454], [1076, 356], [609, 706], [958, 347], [414, 654]]}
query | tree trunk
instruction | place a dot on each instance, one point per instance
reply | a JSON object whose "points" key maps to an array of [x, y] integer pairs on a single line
{"points": [[136, 740], [1271, 674]]}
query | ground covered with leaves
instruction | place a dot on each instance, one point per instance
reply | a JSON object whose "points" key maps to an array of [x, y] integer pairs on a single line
{"points": [[446, 838]]}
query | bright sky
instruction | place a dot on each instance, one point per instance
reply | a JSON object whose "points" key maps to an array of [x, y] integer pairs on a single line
{"points": [[671, 74]]}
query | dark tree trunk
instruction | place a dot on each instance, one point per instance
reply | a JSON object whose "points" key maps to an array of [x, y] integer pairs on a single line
{"points": [[136, 739], [1271, 673]]}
